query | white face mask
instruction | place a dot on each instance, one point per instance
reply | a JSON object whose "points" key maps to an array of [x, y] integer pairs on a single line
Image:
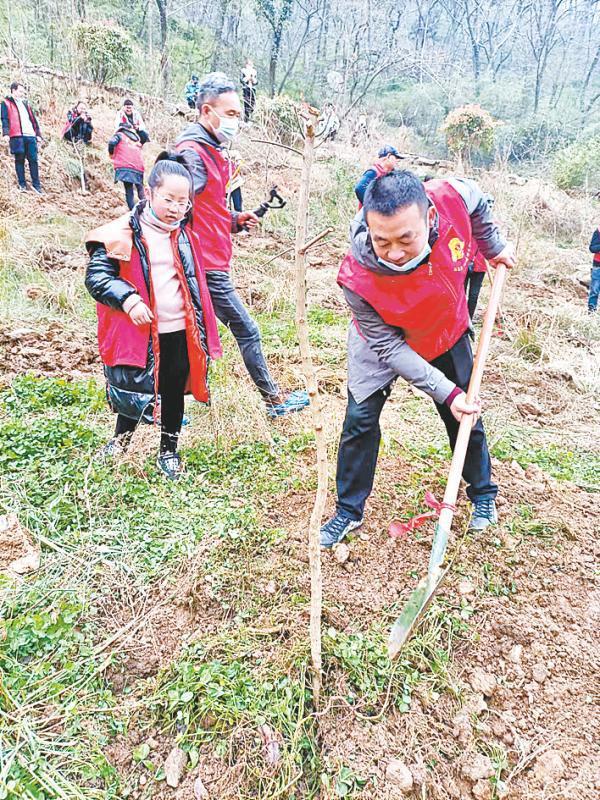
{"points": [[410, 265], [228, 128], [156, 220]]}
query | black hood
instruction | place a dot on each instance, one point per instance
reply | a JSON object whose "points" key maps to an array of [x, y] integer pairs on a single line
{"points": [[198, 133]]}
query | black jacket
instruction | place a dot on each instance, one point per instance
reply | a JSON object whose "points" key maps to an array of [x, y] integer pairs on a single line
{"points": [[130, 390], [595, 246]]}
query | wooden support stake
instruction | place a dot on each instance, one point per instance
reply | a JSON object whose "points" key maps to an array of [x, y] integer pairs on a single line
{"points": [[310, 376]]}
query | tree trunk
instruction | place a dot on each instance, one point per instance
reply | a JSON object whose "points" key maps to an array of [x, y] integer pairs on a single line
{"points": [[310, 376], [165, 67]]}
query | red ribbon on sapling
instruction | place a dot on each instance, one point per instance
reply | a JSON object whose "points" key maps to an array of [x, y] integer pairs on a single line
{"points": [[399, 529]]}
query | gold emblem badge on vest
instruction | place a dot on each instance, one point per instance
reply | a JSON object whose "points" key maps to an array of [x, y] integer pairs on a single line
{"points": [[457, 251]]}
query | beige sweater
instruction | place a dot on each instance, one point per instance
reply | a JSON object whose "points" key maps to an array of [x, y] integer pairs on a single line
{"points": [[165, 281]]}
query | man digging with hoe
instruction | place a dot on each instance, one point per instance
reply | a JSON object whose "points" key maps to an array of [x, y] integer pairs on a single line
{"points": [[403, 279]]}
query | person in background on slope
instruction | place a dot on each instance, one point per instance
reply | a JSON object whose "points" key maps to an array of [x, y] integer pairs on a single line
{"points": [[236, 180], [403, 279], [156, 325], [125, 150], [128, 113], [595, 281], [21, 131], [249, 81], [191, 91], [78, 127], [329, 123], [388, 159], [202, 143]]}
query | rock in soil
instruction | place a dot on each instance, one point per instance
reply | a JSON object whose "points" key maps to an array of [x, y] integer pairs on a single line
{"points": [[174, 766], [200, 790], [18, 554], [341, 553], [399, 774], [539, 672], [483, 682], [482, 790], [549, 767], [477, 768]]}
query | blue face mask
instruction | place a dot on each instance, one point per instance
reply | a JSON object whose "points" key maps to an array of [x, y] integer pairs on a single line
{"points": [[228, 128], [410, 265]]}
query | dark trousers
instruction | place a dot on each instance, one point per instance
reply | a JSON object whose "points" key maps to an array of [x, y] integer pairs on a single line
{"points": [[473, 284], [249, 101], [80, 131], [232, 313], [173, 372], [236, 199], [361, 434], [129, 193], [30, 152]]}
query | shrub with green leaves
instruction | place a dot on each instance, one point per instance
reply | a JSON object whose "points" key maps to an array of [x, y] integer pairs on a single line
{"points": [[469, 129], [278, 116], [578, 165], [105, 51]]}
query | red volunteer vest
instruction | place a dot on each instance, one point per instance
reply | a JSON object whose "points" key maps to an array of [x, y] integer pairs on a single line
{"points": [[429, 304], [120, 342], [128, 154], [597, 257], [211, 219], [14, 118], [380, 171]]}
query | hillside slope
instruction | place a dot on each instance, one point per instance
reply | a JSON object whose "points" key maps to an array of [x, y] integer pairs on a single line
{"points": [[176, 616]]}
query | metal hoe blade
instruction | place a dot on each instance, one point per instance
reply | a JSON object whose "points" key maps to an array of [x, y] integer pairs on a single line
{"points": [[421, 597]]}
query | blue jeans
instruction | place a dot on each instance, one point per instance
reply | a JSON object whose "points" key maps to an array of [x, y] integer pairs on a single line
{"points": [[594, 289], [361, 434], [29, 152], [233, 314]]}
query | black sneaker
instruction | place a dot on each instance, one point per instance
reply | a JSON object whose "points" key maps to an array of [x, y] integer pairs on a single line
{"points": [[114, 448], [484, 514], [337, 529], [170, 464], [37, 189], [23, 189]]}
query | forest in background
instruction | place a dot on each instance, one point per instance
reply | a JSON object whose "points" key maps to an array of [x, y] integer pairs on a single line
{"points": [[534, 65]]}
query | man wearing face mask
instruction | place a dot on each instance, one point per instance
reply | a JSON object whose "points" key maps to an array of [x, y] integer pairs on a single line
{"points": [[202, 143], [403, 279]]}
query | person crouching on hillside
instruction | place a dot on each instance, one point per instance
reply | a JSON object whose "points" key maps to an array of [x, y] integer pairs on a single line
{"points": [[125, 150], [403, 279], [156, 325], [78, 127]]}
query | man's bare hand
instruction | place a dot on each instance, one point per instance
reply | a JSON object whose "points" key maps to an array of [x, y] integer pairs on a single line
{"points": [[248, 219], [460, 407], [506, 257], [140, 314]]}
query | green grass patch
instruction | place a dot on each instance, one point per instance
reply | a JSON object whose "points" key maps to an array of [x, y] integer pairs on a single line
{"points": [[219, 693], [579, 466]]}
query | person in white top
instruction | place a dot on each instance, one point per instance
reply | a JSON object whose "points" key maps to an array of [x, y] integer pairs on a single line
{"points": [[249, 80], [128, 113], [21, 132]]}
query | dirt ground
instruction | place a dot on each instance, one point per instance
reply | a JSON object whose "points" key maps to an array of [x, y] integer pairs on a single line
{"points": [[525, 688]]}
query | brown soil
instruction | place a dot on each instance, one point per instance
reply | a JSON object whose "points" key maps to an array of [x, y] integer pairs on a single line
{"points": [[54, 350], [16, 544]]}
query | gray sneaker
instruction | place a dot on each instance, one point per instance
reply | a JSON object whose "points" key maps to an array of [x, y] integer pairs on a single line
{"points": [[484, 514], [337, 529]]}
